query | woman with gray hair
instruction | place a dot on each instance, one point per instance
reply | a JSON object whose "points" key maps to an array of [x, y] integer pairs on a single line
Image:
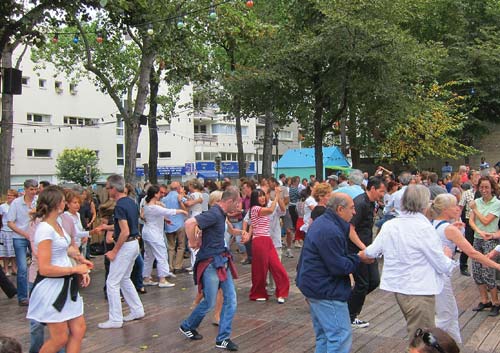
{"points": [[414, 259], [444, 212]]}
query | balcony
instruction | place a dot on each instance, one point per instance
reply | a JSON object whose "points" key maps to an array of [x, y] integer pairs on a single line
{"points": [[200, 137]]}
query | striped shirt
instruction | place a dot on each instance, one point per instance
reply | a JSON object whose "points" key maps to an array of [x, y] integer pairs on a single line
{"points": [[260, 224], [294, 195]]}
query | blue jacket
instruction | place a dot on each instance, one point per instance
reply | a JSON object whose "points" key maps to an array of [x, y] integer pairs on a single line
{"points": [[324, 264]]}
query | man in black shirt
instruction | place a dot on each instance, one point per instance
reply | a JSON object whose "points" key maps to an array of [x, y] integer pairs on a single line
{"points": [[367, 277]]}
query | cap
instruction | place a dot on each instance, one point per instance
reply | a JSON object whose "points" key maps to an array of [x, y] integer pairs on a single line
{"points": [[333, 177]]}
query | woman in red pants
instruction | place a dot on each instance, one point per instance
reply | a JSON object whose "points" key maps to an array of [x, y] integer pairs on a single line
{"points": [[265, 257]]}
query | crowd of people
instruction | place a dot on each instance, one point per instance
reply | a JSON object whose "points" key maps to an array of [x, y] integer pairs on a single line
{"points": [[341, 226]]}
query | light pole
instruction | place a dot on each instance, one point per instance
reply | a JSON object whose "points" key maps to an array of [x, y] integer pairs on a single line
{"points": [[217, 166]]}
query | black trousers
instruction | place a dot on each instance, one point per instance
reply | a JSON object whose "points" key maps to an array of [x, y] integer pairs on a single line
{"points": [[367, 279], [6, 285], [469, 235]]}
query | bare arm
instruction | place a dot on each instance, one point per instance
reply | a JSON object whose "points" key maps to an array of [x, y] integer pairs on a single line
{"points": [[353, 236], [15, 229], [473, 225], [453, 234], [484, 219], [122, 238], [47, 269], [190, 226]]}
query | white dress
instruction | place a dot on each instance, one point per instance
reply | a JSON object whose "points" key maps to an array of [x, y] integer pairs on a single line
{"points": [[6, 244], [45, 293]]}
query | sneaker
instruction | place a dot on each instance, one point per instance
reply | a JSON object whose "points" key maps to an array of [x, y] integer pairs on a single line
{"points": [[110, 324], [482, 306], [357, 323], [166, 284], [24, 302], [246, 262], [227, 344], [171, 275], [495, 310], [132, 317], [297, 244], [191, 334], [150, 282], [289, 253], [189, 269], [261, 300], [281, 300], [465, 272]]}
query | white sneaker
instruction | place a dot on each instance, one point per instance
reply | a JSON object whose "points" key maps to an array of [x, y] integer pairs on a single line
{"points": [[281, 300], [357, 323], [132, 317], [260, 299], [150, 283], [171, 275], [190, 268], [110, 324], [166, 284], [289, 253]]}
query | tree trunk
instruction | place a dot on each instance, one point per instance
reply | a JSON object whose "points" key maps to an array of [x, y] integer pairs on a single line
{"points": [[353, 143], [132, 124], [239, 140], [153, 130], [7, 130], [318, 131], [267, 153]]}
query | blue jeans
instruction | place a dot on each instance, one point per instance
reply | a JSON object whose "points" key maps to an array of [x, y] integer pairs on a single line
{"points": [[211, 285], [136, 275], [21, 248], [332, 326]]}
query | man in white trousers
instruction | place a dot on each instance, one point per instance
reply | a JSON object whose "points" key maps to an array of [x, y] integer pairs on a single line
{"points": [[122, 257]]}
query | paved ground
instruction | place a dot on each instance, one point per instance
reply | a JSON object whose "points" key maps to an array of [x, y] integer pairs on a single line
{"points": [[258, 327]]}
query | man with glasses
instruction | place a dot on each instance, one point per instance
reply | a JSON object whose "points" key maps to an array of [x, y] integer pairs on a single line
{"points": [[18, 220], [122, 256]]}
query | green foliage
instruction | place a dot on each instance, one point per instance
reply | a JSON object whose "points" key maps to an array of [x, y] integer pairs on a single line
{"points": [[74, 164]]}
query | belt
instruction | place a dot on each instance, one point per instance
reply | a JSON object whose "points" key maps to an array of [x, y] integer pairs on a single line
{"points": [[131, 238]]}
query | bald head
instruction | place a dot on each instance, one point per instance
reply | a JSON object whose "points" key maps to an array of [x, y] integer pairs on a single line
{"points": [[342, 205]]}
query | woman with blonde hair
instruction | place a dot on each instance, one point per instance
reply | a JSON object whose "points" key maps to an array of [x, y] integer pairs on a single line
{"points": [[444, 212], [55, 299]]}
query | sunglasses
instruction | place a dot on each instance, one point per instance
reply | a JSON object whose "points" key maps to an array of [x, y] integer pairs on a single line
{"points": [[429, 340]]}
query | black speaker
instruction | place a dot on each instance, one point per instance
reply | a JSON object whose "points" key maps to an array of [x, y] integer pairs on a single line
{"points": [[12, 81]]}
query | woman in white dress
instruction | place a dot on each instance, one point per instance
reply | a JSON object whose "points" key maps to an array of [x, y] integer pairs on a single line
{"points": [[154, 214], [55, 299], [7, 253]]}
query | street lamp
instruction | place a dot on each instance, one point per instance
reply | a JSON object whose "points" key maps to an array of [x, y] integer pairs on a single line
{"points": [[217, 166]]}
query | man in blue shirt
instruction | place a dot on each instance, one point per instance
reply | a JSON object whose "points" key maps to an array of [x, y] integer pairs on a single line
{"points": [[355, 181], [176, 234], [323, 275], [214, 268]]}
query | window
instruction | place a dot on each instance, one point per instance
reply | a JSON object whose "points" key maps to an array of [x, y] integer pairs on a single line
{"points": [[209, 156], [73, 88], [58, 87], [164, 128], [200, 129], [119, 126], [38, 153], [285, 135], [38, 118], [25, 80], [197, 156], [165, 154], [138, 155], [73, 120], [120, 160], [42, 83], [227, 129]]}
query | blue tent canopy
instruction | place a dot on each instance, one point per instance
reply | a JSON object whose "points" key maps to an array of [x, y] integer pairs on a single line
{"points": [[301, 161]]}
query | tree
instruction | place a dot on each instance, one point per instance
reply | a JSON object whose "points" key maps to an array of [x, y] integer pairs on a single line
{"points": [[78, 165], [121, 64], [19, 24]]}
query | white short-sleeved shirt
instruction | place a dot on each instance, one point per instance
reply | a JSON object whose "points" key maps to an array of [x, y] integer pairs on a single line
{"points": [[196, 209]]}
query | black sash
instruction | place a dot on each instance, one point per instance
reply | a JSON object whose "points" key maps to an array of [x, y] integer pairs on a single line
{"points": [[70, 283]]}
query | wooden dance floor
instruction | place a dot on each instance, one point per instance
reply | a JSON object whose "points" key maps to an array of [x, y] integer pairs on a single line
{"points": [[258, 327]]}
